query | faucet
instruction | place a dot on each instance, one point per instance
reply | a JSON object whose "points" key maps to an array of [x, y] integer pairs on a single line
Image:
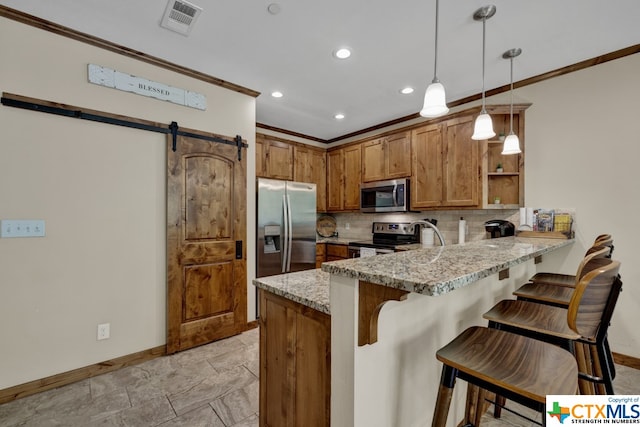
{"points": [[435, 229]]}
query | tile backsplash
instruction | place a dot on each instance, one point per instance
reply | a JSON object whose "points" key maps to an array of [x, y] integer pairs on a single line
{"points": [[357, 226]]}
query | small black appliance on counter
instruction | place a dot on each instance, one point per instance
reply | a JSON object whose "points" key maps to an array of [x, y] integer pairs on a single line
{"points": [[499, 228]]}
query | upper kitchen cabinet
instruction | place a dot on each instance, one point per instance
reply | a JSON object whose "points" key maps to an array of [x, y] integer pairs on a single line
{"points": [[344, 167], [445, 171], [503, 188], [310, 166], [274, 159], [388, 157]]}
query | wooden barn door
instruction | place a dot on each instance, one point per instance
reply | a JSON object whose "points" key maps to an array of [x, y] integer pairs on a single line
{"points": [[206, 242]]}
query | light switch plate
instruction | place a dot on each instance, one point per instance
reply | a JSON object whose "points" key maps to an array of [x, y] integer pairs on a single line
{"points": [[22, 228]]}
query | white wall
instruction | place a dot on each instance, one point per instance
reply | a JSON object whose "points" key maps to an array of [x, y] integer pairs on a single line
{"points": [[583, 151], [101, 190]]}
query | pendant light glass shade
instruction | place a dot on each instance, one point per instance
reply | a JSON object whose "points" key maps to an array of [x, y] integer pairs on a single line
{"points": [[435, 103], [511, 144], [483, 128]]}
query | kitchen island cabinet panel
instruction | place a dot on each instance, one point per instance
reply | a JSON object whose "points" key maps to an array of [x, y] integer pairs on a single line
{"points": [[295, 364]]}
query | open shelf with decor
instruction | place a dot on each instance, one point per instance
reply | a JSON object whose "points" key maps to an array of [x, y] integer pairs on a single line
{"points": [[503, 175]]}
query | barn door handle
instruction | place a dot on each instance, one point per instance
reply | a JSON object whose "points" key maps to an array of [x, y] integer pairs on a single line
{"points": [[238, 249]]}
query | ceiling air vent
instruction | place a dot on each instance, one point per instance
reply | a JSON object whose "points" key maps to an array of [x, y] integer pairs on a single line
{"points": [[180, 16]]}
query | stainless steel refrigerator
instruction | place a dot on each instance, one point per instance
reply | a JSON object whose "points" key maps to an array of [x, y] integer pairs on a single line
{"points": [[286, 221]]}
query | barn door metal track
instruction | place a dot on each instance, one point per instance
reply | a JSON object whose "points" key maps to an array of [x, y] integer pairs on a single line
{"points": [[172, 129]]}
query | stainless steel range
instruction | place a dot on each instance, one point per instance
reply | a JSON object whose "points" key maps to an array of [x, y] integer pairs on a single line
{"points": [[387, 237]]}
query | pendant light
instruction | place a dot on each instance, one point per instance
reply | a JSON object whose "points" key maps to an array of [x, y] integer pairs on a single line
{"points": [[483, 128], [435, 104], [511, 142]]}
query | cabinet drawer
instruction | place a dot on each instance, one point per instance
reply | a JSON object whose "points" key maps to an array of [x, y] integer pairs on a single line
{"points": [[337, 251]]}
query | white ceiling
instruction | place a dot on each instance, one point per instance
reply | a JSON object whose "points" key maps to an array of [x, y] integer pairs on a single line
{"points": [[392, 41]]}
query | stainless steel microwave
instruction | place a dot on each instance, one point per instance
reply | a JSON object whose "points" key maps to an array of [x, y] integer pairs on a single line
{"points": [[385, 196]]}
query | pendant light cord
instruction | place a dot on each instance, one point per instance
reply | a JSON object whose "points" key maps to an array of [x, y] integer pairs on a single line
{"points": [[511, 109], [484, 23], [435, 62]]}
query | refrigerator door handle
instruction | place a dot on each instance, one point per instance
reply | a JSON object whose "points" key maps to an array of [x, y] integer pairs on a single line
{"points": [[289, 233], [285, 233]]}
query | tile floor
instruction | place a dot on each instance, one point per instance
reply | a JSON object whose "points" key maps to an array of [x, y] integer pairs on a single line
{"points": [[215, 385]]}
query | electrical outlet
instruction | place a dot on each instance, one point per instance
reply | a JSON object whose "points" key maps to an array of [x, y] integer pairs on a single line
{"points": [[104, 331], [347, 226], [22, 228]]}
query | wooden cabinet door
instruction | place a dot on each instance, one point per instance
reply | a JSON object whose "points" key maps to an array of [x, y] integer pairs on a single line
{"points": [[427, 161], [321, 254], [279, 160], [260, 159], [319, 176], [335, 180], [295, 364], [352, 177], [387, 158], [373, 160], [397, 149], [461, 173], [310, 166]]}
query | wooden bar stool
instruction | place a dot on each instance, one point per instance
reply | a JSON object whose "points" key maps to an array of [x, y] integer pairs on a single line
{"points": [[603, 240], [557, 289], [585, 321], [522, 369]]}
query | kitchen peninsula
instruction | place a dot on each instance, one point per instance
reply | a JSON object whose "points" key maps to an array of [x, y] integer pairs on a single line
{"points": [[362, 333]]}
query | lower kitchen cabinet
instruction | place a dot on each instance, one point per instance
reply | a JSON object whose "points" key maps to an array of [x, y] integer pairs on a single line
{"points": [[295, 363], [337, 252], [321, 254]]}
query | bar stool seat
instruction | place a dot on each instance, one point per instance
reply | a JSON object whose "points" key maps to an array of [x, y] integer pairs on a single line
{"points": [[520, 368], [569, 280], [543, 293]]}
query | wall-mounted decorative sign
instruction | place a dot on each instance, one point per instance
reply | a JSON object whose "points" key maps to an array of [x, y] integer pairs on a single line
{"points": [[115, 79]]}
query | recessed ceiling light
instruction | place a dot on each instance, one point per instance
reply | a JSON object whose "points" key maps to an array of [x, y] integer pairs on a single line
{"points": [[274, 8], [339, 116], [406, 90], [277, 94], [342, 53]]}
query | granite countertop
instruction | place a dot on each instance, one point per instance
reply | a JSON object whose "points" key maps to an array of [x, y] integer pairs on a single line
{"points": [[310, 288], [433, 271], [436, 271]]}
